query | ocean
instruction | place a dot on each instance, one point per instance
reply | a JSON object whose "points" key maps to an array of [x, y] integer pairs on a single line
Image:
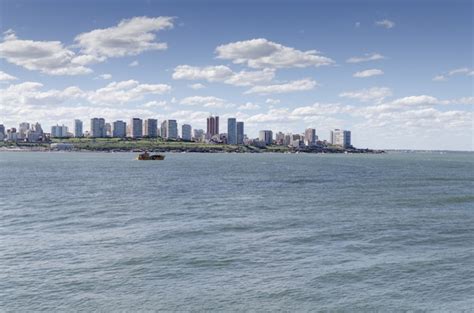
{"points": [[236, 232]]}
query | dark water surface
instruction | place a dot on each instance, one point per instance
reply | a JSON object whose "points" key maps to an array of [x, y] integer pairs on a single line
{"points": [[236, 232]]}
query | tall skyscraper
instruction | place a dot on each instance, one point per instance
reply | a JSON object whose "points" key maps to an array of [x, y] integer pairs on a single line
{"points": [[232, 131], [136, 127], [186, 132], [341, 138], [163, 130], [213, 125], [310, 137], [2, 131], [98, 127], [78, 131], [119, 129], [266, 136], [240, 133], [59, 131], [169, 129], [198, 134], [22, 130], [151, 128]]}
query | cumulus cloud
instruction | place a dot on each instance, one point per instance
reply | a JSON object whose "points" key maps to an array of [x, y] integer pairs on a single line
{"points": [[223, 74], [5, 77], [293, 86], [458, 71], [262, 53], [249, 106], [134, 63], [105, 76], [385, 23], [49, 57], [155, 104], [206, 101], [367, 57], [272, 101], [126, 91], [376, 94], [196, 86], [368, 73], [130, 37]]}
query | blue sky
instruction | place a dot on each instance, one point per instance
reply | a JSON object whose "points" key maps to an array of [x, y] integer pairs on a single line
{"points": [[398, 74]]}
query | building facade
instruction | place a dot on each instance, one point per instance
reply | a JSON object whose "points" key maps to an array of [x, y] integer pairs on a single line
{"points": [[212, 126], [169, 129], [136, 127], [78, 128], [151, 128], [240, 133], [98, 127], [232, 131], [119, 129], [186, 132], [310, 137], [339, 137], [266, 136], [59, 131]]}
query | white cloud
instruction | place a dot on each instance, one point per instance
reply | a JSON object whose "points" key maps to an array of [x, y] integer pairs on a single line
{"points": [[49, 57], [296, 85], [4, 77], [272, 101], [385, 23], [196, 86], [126, 91], [376, 94], [367, 57], [463, 70], [439, 78], [105, 76], [155, 104], [223, 74], [130, 37], [262, 53], [357, 24], [457, 71], [249, 106], [206, 101], [368, 73], [134, 63]]}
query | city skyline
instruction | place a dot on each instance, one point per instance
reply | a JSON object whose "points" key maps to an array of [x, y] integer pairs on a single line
{"points": [[394, 80]]}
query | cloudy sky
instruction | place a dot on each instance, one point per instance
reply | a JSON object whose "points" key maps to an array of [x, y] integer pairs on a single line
{"points": [[398, 74]]}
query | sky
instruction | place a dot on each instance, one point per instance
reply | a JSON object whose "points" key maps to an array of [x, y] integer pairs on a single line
{"points": [[398, 74]]}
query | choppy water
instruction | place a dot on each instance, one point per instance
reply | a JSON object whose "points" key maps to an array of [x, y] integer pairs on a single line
{"points": [[236, 232]]}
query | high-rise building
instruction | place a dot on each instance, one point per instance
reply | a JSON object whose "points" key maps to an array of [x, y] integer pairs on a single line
{"points": [[266, 136], [59, 131], [98, 128], [24, 127], [186, 132], [35, 133], [341, 138], [108, 130], [163, 130], [78, 130], [2, 132], [136, 127], [310, 137], [231, 131], [151, 128], [169, 129], [240, 133], [119, 129], [212, 126], [280, 138], [198, 134]]}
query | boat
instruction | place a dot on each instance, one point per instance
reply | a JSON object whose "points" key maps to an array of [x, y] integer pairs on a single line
{"points": [[146, 157]]}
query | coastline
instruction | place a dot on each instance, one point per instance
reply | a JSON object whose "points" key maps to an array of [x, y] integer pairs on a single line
{"points": [[158, 146]]}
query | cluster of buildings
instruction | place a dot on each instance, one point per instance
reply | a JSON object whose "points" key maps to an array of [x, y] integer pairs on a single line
{"points": [[168, 130]]}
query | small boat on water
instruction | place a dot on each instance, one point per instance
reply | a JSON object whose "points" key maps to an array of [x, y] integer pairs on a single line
{"points": [[146, 157]]}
